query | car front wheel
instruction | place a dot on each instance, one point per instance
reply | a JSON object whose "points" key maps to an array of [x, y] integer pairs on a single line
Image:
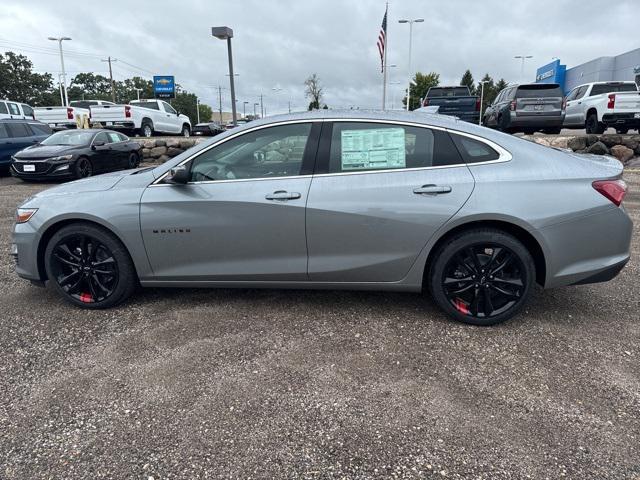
{"points": [[89, 267], [482, 276]]}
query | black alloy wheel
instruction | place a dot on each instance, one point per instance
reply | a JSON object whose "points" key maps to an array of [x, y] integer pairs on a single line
{"points": [[89, 266], [84, 168], [482, 277], [133, 161]]}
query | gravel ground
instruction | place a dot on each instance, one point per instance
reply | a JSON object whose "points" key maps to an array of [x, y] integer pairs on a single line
{"points": [[273, 384]]}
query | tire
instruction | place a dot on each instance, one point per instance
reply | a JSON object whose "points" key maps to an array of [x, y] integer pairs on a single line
{"points": [[592, 126], [460, 285], [146, 129], [622, 131], [186, 131], [101, 252], [83, 168], [502, 124], [133, 161]]}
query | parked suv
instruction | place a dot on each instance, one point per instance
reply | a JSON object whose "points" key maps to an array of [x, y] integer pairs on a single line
{"points": [[17, 134], [527, 108], [10, 109]]}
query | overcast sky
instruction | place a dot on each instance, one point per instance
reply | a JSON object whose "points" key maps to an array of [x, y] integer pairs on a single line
{"points": [[278, 44]]}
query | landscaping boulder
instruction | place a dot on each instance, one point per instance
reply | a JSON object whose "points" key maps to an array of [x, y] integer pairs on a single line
{"points": [[598, 148], [156, 152], [577, 143], [163, 158], [148, 143], [622, 153], [146, 152], [173, 142], [538, 140], [186, 143], [591, 139], [160, 143], [173, 151], [635, 163], [560, 142], [631, 142], [611, 140]]}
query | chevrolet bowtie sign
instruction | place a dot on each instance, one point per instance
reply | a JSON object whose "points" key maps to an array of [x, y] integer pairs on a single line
{"points": [[164, 86]]}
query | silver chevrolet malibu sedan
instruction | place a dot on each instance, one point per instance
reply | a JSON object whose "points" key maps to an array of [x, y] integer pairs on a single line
{"points": [[390, 201]]}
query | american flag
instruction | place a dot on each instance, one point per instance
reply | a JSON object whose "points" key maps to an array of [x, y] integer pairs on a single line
{"points": [[382, 39]]}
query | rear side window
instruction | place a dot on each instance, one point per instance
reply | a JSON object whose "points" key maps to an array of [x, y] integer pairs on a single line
{"points": [[373, 146], [13, 108], [3, 130], [612, 88], [3, 108], [114, 137], [40, 128], [539, 90], [474, 151], [18, 130]]}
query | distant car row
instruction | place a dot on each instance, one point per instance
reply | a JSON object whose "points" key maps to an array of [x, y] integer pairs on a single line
{"points": [[542, 107], [31, 152]]}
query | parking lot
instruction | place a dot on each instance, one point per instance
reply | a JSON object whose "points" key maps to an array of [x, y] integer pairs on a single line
{"points": [[313, 384]]}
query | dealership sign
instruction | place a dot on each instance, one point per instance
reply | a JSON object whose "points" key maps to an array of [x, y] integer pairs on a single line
{"points": [[547, 74], [164, 86]]}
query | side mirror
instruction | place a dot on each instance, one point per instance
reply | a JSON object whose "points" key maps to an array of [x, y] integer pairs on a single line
{"points": [[178, 175]]}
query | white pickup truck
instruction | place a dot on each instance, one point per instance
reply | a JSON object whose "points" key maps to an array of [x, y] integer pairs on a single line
{"points": [[62, 117], [142, 117], [600, 105]]}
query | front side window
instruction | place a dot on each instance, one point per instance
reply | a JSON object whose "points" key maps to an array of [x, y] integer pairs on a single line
{"points": [[376, 146], [102, 137], [169, 108], [28, 111], [573, 94], [581, 91], [474, 151], [266, 153], [114, 137]]}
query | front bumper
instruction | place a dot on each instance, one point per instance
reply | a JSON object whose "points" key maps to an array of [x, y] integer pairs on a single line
{"points": [[24, 250], [43, 170]]}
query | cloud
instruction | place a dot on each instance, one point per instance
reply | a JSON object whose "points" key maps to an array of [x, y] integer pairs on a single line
{"points": [[280, 43]]}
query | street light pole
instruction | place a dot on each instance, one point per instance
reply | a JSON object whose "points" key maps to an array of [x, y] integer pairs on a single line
{"points": [[64, 75], [138, 90], [482, 82], [244, 110], [410, 22], [225, 33], [255, 104], [523, 58], [198, 108]]}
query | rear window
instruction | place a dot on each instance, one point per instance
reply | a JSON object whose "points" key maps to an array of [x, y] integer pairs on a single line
{"points": [[612, 88], [152, 105], [448, 92], [474, 151], [539, 90], [18, 130]]}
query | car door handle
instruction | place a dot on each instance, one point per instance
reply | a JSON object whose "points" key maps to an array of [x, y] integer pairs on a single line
{"points": [[432, 189], [283, 195]]}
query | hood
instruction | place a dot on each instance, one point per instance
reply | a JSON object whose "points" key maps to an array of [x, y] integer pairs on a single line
{"points": [[98, 183], [46, 151]]}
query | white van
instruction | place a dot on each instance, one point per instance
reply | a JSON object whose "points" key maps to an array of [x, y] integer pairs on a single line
{"points": [[11, 109]]}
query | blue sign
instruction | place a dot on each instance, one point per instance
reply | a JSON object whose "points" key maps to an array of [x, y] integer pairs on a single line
{"points": [[164, 86], [552, 72]]}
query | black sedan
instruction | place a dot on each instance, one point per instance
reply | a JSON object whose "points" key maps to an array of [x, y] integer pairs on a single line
{"points": [[207, 129], [76, 154]]}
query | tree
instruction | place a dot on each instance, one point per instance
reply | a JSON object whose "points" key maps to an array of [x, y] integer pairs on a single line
{"points": [[206, 112], [489, 94], [18, 82], [126, 90], [420, 86], [313, 90], [185, 103], [89, 86], [467, 81]]}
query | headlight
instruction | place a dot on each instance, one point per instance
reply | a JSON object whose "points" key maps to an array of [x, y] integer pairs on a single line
{"points": [[61, 158], [23, 215]]}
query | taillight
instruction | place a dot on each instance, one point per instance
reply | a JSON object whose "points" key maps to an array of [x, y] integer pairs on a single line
{"points": [[70, 113], [614, 190], [513, 105], [127, 111], [477, 104], [612, 100]]}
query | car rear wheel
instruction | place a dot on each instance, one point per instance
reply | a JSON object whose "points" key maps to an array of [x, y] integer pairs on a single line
{"points": [[482, 277], [147, 129], [83, 168], [592, 125], [89, 267], [134, 160]]}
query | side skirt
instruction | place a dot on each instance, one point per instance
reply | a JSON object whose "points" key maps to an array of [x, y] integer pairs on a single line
{"points": [[372, 286]]}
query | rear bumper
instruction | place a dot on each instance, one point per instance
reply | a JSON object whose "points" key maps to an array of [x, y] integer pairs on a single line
{"points": [[118, 125], [621, 120], [537, 121], [589, 249]]}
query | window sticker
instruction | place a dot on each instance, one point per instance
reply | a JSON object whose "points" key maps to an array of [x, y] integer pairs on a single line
{"points": [[371, 149]]}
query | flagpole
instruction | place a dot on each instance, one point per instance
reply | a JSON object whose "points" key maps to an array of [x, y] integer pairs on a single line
{"points": [[384, 61]]}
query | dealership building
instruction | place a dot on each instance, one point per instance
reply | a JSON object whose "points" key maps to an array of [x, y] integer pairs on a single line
{"points": [[624, 67]]}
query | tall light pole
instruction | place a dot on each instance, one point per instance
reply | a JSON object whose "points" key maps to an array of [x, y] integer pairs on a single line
{"points": [[225, 33], [244, 110], [482, 82], [410, 22], [64, 75], [138, 90], [523, 58], [278, 90], [198, 109], [254, 110], [384, 96], [393, 94]]}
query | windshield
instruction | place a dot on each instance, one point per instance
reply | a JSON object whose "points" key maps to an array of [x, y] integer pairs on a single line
{"points": [[73, 137], [448, 92], [599, 89]]}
